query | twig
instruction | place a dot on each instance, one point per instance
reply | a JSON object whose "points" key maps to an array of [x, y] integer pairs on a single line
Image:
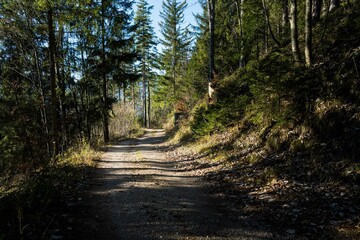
{"points": [[47, 227], [356, 69]]}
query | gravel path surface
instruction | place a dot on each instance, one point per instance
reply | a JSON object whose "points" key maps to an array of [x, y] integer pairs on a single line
{"points": [[137, 193]]}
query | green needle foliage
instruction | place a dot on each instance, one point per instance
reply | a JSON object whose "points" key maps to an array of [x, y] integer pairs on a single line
{"points": [[175, 40], [286, 73], [145, 42]]}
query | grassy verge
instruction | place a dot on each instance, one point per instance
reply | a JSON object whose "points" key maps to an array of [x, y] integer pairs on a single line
{"points": [[284, 176], [281, 144]]}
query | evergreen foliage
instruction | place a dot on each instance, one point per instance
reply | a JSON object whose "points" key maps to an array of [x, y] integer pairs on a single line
{"points": [[85, 54], [145, 42], [175, 53], [63, 64]]}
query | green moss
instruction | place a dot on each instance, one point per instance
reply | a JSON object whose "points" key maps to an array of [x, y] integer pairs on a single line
{"points": [[253, 158]]}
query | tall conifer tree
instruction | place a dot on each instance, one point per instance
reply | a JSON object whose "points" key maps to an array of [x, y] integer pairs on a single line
{"points": [[145, 40], [111, 51], [175, 41]]}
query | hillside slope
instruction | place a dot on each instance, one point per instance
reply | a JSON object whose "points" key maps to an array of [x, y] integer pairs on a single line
{"points": [[282, 143]]}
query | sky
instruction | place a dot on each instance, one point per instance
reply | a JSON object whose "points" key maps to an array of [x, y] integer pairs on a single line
{"points": [[193, 8]]}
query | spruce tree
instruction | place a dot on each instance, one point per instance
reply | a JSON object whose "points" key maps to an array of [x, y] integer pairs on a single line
{"points": [[175, 41], [145, 40], [112, 50]]}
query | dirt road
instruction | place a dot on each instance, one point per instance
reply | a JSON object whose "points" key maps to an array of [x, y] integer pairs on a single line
{"points": [[137, 193]]}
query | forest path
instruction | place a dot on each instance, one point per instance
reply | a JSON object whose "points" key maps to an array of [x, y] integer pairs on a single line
{"points": [[137, 193]]}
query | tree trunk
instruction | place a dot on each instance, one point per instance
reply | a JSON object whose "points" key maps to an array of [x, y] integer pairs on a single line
{"points": [[104, 79], [308, 33], [149, 104], [316, 10], [240, 12], [174, 75], [267, 19], [211, 15], [133, 95], [85, 106], [61, 79], [334, 4], [43, 112], [285, 19], [124, 93], [54, 112], [78, 114], [265, 40], [105, 110], [119, 93], [294, 31], [325, 7], [143, 70], [144, 101], [149, 100]]}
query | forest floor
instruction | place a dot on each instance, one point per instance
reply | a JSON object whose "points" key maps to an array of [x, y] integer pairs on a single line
{"points": [[139, 190]]}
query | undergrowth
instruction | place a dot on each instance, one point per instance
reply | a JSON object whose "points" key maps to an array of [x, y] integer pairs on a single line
{"points": [[274, 121], [29, 201], [124, 122]]}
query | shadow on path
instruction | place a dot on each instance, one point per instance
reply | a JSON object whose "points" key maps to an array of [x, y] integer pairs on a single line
{"points": [[136, 193]]}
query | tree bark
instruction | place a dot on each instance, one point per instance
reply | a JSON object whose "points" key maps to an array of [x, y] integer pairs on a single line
{"points": [[334, 4], [85, 100], [294, 31], [124, 93], [316, 10], [149, 104], [43, 112], [240, 12], [265, 39], [148, 94], [143, 71], [308, 33], [54, 112], [133, 95], [211, 15], [144, 97], [285, 18], [61, 82], [104, 79]]}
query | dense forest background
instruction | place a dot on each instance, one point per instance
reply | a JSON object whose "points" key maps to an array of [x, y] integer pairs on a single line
{"points": [[283, 78]]}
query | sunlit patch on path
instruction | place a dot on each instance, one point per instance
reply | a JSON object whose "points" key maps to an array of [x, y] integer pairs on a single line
{"points": [[137, 193]]}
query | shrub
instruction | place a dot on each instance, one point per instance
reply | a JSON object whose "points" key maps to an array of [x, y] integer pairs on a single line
{"points": [[124, 121]]}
